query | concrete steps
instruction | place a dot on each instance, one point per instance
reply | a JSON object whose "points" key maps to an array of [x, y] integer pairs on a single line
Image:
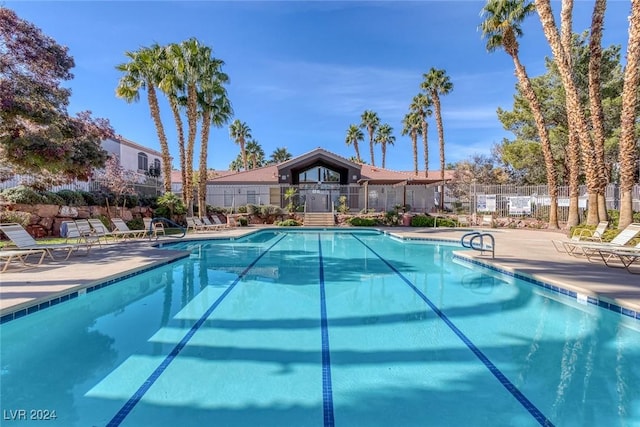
{"points": [[319, 219]]}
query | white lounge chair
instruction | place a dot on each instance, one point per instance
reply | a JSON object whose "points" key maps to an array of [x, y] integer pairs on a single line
{"points": [[216, 224], [582, 234], [155, 228], [626, 256], [124, 230], [20, 255], [24, 241], [101, 230], [590, 248]]}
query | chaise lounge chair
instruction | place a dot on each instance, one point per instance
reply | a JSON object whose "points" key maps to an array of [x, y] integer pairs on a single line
{"points": [[153, 228], [582, 234], [216, 224], [20, 255], [590, 248], [625, 255], [123, 229], [24, 241]]}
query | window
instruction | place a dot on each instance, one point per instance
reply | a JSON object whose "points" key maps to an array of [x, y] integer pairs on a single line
{"points": [[251, 197], [318, 174], [143, 162], [228, 197], [156, 164]]}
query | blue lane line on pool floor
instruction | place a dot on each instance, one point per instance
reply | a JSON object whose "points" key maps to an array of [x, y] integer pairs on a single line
{"points": [[327, 392], [137, 396], [502, 378]]}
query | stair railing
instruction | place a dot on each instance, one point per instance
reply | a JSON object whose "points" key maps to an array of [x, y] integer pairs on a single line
{"points": [[475, 240]]}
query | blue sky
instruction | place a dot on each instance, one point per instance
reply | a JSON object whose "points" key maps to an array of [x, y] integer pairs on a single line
{"points": [[302, 72]]}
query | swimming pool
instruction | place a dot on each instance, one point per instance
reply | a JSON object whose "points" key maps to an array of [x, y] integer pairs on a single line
{"points": [[320, 329]]}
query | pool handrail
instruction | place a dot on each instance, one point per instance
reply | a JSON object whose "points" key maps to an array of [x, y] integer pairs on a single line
{"points": [[468, 241], [163, 220]]}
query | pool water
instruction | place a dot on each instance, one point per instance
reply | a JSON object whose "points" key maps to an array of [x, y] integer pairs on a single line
{"points": [[320, 329]]}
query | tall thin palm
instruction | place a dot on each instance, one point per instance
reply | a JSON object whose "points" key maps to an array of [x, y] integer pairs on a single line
{"points": [[421, 105], [142, 73], [595, 100], [501, 28], [436, 83], [240, 132], [370, 122], [384, 136], [354, 135], [412, 126], [628, 118], [216, 110], [576, 116]]}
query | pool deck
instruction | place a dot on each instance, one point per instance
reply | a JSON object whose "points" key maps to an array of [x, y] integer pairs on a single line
{"points": [[523, 251]]}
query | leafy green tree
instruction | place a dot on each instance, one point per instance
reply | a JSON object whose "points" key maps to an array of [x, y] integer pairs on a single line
{"points": [[36, 132]]}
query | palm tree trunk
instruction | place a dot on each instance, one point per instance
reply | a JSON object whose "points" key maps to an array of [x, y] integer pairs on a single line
{"points": [[566, 33], [373, 161], [545, 141], [192, 119], [414, 145], [425, 147], [628, 142], [595, 101], [173, 102], [243, 153], [152, 97], [202, 170], [575, 113], [436, 104], [383, 147]]}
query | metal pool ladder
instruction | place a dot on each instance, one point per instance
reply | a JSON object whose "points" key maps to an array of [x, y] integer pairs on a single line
{"points": [[475, 240]]}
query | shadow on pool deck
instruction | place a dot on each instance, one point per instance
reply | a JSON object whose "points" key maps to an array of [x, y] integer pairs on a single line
{"points": [[529, 252]]}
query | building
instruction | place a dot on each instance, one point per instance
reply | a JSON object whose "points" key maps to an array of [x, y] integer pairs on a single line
{"points": [[320, 179], [134, 157]]}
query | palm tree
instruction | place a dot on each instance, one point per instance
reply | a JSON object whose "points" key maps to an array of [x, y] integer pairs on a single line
{"points": [[370, 122], [142, 72], [280, 155], [501, 28], [628, 139], [255, 153], [354, 135], [240, 132], [216, 110], [576, 117], [573, 146], [384, 136], [191, 62], [412, 126], [421, 104], [436, 83]]}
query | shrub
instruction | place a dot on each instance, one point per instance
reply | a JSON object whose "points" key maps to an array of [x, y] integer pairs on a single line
{"points": [[422, 221], [445, 222], [289, 223], [392, 218], [270, 210], [89, 198], [72, 198], [52, 198], [242, 209], [136, 224], [342, 205], [243, 221], [23, 195], [22, 218], [169, 204], [252, 209], [357, 221]]}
